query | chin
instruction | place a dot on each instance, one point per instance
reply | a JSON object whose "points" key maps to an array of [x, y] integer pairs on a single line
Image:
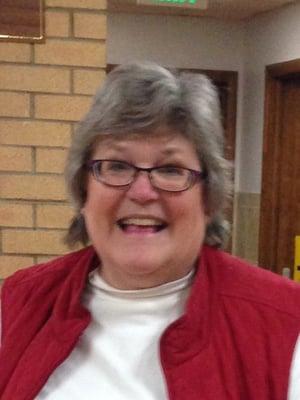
{"points": [[143, 264]]}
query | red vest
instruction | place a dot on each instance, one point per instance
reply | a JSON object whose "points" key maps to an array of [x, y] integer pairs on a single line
{"points": [[234, 342]]}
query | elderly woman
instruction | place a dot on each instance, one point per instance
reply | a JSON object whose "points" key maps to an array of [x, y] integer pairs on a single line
{"points": [[152, 309]]}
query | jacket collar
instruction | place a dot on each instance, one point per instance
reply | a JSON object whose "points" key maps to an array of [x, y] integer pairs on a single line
{"points": [[187, 336]]}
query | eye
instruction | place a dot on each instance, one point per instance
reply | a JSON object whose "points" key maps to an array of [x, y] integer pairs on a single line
{"points": [[170, 170], [97, 167], [116, 166]]}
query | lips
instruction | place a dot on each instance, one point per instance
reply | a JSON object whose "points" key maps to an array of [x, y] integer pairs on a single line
{"points": [[141, 224]]}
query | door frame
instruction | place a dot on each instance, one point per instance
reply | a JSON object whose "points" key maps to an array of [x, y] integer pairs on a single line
{"points": [[275, 74]]}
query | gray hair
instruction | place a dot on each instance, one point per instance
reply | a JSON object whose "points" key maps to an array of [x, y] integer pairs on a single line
{"points": [[137, 99]]}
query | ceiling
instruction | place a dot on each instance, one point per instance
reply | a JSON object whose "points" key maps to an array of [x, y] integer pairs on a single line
{"points": [[222, 9]]}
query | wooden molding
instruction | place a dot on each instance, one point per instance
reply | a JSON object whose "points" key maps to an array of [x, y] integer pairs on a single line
{"points": [[284, 70], [275, 75], [21, 20]]}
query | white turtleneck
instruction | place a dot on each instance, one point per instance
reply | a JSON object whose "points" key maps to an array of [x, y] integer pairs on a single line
{"points": [[117, 357]]}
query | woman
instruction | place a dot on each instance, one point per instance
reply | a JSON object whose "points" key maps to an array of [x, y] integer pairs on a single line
{"points": [[152, 309]]}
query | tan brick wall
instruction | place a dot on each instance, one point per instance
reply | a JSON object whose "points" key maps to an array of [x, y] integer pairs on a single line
{"points": [[44, 90], [84, 81]]}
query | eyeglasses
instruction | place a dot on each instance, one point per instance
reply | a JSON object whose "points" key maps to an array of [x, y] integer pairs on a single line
{"points": [[168, 177]]}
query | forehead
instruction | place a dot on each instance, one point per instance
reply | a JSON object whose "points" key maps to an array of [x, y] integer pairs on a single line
{"points": [[164, 141]]}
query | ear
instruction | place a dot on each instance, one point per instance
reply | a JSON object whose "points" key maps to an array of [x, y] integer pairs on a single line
{"points": [[207, 218]]}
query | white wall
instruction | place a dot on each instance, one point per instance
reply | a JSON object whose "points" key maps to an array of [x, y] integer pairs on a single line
{"points": [[175, 41], [205, 43], [185, 42], [270, 38]]}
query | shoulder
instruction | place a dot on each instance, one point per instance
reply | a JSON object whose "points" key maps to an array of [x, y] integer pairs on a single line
{"points": [[241, 280], [56, 267], [37, 288]]}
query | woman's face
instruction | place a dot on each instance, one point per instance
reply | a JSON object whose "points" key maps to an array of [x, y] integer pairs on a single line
{"points": [[141, 256]]}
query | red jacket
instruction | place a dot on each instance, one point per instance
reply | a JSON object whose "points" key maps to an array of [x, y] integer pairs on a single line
{"points": [[234, 342]]}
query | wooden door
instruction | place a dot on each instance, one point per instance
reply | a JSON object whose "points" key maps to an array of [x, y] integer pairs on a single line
{"points": [[226, 84], [289, 173], [280, 206]]}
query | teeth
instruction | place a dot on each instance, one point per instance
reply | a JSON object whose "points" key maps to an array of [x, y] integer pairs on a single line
{"points": [[141, 221]]}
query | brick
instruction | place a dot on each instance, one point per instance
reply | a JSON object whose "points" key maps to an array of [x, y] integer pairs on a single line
{"points": [[88, 4], [33, 187], [14, 104], [90, 25], [66, 108], [15, 159], [57, 23], [35, 79], [86, 81], [35, 133], [16, 215], [25, 241], [11, 264], [54, 216], [71, 52], [44, 259], [50, 160], [15, 52]]}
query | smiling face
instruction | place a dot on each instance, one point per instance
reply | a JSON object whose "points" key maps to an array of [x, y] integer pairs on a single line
{"points": [[145, 236]]}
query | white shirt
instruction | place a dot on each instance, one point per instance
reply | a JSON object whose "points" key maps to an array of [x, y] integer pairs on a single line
{"points": [[294, 387], [117, 357]]}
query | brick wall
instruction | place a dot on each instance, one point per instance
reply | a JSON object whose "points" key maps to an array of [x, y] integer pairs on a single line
{"points": [[44, 90]]}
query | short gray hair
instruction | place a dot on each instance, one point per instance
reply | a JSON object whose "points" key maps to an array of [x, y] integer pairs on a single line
{"points": [[138, 98]]}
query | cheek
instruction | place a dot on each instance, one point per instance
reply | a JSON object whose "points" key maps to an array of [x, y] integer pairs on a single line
{"points": [[189, 211], [99, 202]]}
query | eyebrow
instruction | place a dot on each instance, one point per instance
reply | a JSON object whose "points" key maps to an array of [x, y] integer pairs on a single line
{"points": [[119, 146], [171, 151]]}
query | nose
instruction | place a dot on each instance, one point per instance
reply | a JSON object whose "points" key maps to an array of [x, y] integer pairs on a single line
{"points": [[141, 189]]}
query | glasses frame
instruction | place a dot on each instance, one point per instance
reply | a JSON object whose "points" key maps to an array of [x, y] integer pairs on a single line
{"points": [[193, 176]]}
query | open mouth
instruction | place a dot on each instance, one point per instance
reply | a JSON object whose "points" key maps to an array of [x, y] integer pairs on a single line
{"points": [[141, 225]]}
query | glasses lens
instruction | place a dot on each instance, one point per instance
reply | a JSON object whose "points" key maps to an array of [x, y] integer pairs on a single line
{"points": [[173, 179], [120, 173], [116, 173]]}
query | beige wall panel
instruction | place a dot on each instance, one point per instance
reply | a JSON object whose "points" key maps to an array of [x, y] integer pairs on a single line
{"points": [[87, 82], [247, 226], [15, 158], [21, 241], [14, 215], [44, 259], [45, 89], [35, 133], [35, 79], [71, 52], [50, 160], [14, 104], [54, 216], [88, 4], [66, 108], [32, 187], [57, 23], [15, 52], [90, 25], [11, 264]]}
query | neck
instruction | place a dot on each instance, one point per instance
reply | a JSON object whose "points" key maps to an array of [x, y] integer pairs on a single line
{"points": [[142, 281]]}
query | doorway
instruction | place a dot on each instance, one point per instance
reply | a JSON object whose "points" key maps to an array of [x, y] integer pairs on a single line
{"points": [[280, 200]]}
